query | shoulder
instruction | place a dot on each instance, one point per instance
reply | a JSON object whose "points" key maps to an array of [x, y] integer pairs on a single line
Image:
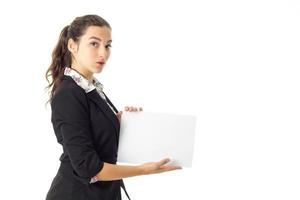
{"points": [[69, 91]]}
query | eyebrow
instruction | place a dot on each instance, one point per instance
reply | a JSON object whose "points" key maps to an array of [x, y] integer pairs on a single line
{"points": [[96, 38]]}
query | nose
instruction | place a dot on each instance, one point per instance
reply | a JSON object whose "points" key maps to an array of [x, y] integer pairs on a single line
{"points": [[102, 53]]}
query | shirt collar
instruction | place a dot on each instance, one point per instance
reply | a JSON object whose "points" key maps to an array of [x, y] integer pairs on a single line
{"points": [[82, 81]]}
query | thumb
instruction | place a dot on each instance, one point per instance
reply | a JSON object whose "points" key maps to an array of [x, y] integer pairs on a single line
{"points": [[119, 114], [164, 161]]}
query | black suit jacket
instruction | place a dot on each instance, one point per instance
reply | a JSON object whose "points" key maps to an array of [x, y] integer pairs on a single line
{"points": [[88, 130]]}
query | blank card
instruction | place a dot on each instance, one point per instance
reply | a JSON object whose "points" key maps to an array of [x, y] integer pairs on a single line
{"points": [[150, 137]]}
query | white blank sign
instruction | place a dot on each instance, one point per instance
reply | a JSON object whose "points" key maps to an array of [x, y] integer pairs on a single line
{"points": [[148, 137]]}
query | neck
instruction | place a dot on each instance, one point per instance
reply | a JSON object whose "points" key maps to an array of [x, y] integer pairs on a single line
{"points": [[87, 75]]}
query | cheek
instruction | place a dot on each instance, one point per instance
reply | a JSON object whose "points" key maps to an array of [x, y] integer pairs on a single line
{"points": [[108, 54], [88, 55], [92, 53]]}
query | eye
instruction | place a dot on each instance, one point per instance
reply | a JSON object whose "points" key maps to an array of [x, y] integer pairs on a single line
{"points": [[94, 44], [108, 46]]}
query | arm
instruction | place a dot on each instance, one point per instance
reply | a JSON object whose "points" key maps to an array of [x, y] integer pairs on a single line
{"points": [[111, 172]]}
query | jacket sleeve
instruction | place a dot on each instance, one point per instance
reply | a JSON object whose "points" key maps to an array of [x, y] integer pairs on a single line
{"points": [[70, 113]]}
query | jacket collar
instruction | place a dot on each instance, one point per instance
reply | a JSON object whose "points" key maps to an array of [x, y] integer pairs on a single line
{"points": [[82, 81]]}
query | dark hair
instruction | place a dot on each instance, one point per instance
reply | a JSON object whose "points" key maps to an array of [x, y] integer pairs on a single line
{"points": [[61, 56]]}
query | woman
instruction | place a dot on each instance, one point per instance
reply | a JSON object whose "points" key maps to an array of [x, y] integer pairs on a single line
{"points": [[85, 121]]}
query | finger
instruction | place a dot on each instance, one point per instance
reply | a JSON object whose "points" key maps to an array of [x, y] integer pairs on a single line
{"points": [[119, 114], [140, 109], [163, 161], [126, 108], [169, 168]]}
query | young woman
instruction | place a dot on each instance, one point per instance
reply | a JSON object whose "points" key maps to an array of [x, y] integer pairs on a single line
{"points": [[85, 121]]}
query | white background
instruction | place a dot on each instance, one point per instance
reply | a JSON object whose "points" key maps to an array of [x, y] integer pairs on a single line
{"points": [[234, 64]]}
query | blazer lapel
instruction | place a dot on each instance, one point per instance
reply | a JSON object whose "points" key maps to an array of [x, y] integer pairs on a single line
{"points": [[95, 97]]}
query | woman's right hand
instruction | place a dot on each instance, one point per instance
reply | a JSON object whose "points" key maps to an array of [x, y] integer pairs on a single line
{"points": [[157, 167]]}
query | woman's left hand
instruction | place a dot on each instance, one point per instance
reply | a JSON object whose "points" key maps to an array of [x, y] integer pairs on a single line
{"points": [[129, 109]]}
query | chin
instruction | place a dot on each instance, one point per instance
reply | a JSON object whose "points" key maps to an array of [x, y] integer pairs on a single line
{"points": [[97, 70]]}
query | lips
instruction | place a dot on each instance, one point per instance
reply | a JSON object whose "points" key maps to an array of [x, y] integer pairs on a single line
{"points": [[102, 63]]}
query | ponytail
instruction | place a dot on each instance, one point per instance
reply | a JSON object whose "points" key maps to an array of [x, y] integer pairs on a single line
{"points": [[61, 58]]}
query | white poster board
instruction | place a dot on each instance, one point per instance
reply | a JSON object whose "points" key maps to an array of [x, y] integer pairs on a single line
{"points": [[150, 137]]}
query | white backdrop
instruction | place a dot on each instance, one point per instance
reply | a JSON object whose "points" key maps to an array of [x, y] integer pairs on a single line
{"points": [[233, 64]]}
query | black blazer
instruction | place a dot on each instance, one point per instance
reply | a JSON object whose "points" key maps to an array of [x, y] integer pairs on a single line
{"points": [[88, 130]]}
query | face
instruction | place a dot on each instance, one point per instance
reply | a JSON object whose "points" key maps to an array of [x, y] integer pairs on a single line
{"points": [[92, 51]]}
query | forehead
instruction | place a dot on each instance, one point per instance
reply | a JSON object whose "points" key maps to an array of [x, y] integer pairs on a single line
{"points": [[103, 33]]}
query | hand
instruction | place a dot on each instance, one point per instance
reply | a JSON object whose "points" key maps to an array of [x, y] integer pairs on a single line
{"points": [[157, 167], [129, 109], [133, 109]]}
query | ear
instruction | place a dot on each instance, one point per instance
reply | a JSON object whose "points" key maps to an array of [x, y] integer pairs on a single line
{"points": [[72, 46]]}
